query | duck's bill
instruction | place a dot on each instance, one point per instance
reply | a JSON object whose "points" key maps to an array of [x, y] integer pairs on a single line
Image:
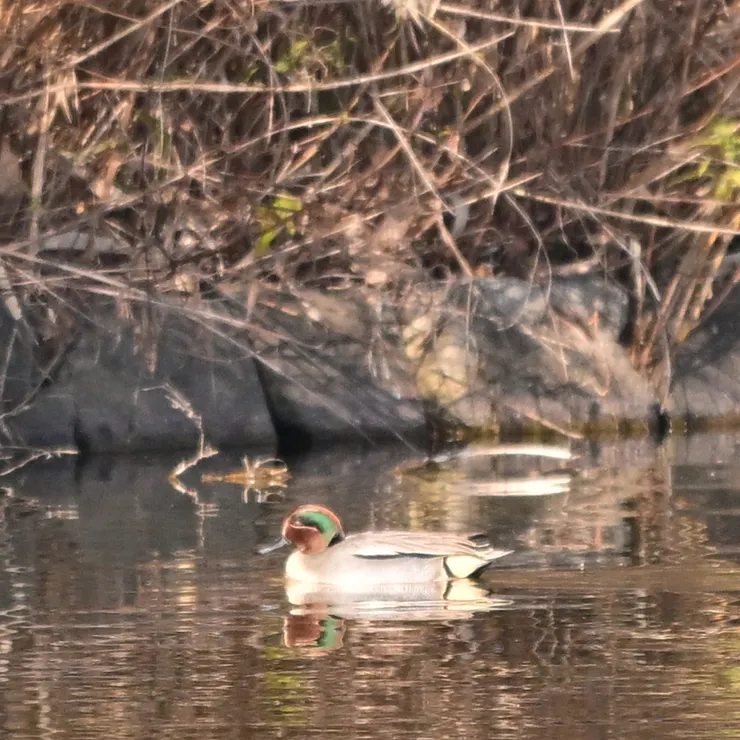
{"points": [[272, 546]]}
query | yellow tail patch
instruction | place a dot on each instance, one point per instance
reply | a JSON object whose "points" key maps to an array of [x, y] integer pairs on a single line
{"points": [[461, 566]]}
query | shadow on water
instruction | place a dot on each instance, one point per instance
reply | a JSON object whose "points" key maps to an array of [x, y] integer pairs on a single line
{"points": [[131, 610]]}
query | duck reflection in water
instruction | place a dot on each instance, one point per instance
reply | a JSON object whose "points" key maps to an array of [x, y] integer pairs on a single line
{"points": [[315, 632]]}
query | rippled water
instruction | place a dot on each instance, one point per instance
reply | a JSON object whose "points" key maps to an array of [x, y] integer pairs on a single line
{"points": [[131, 610]]}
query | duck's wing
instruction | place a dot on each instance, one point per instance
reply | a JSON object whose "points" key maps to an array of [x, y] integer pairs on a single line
{"points": [[422, 544]]}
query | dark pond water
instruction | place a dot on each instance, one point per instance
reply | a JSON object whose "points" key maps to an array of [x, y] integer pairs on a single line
{"points": [[131, 610]]}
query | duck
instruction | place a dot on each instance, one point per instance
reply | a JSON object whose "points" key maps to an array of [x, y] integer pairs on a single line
{"points": [[397, 560]]}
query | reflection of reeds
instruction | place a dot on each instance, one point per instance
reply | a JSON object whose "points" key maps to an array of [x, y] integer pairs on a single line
{"points": [[16, 458], [204, 450], [477, 471], [263, 476], [537, 485]]}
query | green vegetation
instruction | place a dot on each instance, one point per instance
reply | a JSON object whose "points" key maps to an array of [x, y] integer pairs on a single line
{"points": [[274, 219], [722, 163]]}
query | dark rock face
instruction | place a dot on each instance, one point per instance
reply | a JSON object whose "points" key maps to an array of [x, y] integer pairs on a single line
{"points": [[117, 391], [706, 368], [314, 368], [328, 397], [328, 376], [22, 370]]}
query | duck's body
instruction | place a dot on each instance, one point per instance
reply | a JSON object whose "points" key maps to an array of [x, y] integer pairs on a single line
{"points": [[324, 555]]}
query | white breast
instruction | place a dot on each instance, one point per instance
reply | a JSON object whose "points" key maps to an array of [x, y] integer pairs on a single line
{"points": [[298, 568]]}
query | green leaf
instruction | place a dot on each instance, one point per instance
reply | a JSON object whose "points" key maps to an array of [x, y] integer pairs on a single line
{"points": [[293, 58], [264, 241], [274, 219], [287, 204], [728, 184]]}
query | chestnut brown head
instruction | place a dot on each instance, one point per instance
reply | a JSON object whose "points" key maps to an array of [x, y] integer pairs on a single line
{"points": [[312, 528]]}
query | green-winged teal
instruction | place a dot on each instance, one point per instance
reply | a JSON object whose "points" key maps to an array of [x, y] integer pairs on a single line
{"points": [[324, 555]]}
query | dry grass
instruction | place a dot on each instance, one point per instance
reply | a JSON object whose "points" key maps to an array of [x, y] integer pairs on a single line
{"points": [[227, 141]]}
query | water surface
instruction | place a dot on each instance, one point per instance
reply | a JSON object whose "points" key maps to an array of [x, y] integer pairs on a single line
{"points": [[131, 610]]}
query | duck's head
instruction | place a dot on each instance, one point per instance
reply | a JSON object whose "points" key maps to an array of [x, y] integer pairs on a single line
{"points": [[310, 529]]}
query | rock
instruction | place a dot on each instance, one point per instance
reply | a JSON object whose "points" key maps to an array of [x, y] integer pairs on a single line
{"points": [[706, 369], [485, 354], [589, 300], [449, 371], [319, 367], [48, 422], [121, 390], [326, 385], [21, 369], [80, 241], [545, 355]]}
